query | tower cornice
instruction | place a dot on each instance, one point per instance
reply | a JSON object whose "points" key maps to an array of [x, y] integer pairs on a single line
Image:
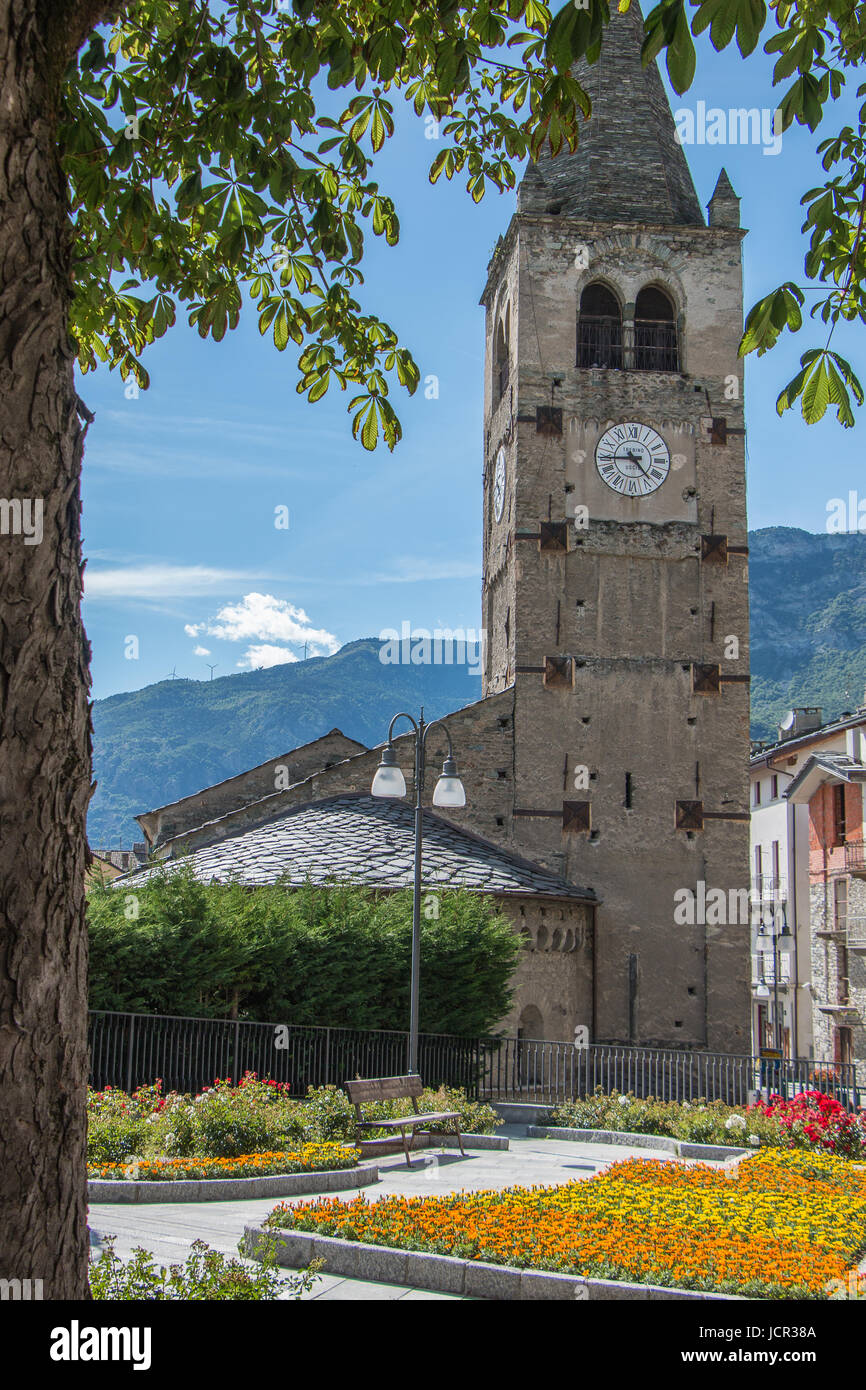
{"points": [[628, 234]]}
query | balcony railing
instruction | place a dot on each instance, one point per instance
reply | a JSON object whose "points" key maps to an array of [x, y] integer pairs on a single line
{"points": [[655, 347], [856, 933], [855, 858], [599, 343], [637, 347], [770, 888]]}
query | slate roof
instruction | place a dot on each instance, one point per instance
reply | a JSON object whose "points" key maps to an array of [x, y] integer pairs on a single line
{"points": [[839, 765], [369, 841], [628, 166], [778, 746]]}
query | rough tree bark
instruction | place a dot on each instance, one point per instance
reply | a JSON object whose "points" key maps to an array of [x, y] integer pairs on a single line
{"points": [[44, 678]]}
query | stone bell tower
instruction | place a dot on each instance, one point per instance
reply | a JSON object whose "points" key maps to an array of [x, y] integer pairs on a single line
{"points": [[615, 554]]}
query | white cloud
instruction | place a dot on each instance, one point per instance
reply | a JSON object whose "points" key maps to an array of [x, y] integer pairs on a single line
{"points": [[201, 651], [160, 582], [264, 618], [266, 656]]}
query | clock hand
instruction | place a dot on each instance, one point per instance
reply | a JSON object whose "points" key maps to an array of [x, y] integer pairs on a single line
{"points": [[634, 459]]}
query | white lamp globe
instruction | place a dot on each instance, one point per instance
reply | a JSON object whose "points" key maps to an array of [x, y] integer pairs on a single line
{"points": [[389, 780]]}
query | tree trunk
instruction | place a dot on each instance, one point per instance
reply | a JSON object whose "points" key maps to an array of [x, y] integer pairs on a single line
{"points": [[44, 715]]}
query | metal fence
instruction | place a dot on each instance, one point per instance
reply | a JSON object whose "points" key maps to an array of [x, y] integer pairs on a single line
{"points": [[130, 1050], [550, 1072]]}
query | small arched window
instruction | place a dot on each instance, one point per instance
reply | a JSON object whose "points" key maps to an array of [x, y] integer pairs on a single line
{"points": [[599, 329], [500, 359], [655, 332]]}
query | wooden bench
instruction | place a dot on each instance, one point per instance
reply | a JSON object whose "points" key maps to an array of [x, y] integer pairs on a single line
{"points": [[397, 1088]]}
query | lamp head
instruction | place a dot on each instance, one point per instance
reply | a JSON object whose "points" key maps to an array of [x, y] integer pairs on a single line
{"points": [[449, 790], [389, 780]]}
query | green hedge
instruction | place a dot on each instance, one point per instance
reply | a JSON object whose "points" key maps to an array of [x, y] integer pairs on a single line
{"points": [[337, 955]]}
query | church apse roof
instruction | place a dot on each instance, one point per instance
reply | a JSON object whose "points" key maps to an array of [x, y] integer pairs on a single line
{"points": [[628, 166], [360, 839]]}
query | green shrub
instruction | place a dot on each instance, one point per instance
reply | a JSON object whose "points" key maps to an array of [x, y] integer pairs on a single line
{"points": [[326, 1115], [205, 1275], [115, 1138], [337, 955], [225, 1121], [695, 1122]]}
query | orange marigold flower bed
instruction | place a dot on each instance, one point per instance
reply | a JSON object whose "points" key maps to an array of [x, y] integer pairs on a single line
{"points": [[309, 1158], [779, 1225]]}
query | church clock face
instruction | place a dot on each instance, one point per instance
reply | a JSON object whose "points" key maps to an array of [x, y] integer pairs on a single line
{"points": [[499, 485], [632, 459]]}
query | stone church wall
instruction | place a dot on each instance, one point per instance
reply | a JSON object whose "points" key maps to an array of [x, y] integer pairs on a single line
{"points": [[483, 738], [553, 981]]}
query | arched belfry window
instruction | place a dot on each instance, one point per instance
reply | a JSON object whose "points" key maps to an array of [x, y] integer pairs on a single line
{"points": [[599, 328], [655, 332], [500, 359]]}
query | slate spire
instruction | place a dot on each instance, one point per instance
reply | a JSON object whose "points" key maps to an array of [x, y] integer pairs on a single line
{"points": [[628, 166], [724, 206]]}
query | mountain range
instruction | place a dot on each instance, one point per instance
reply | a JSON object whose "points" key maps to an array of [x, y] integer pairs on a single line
{"points": [[152, 746]]}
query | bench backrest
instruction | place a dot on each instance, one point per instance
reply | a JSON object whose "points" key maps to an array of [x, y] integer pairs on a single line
{"points": [[383, 1088]]}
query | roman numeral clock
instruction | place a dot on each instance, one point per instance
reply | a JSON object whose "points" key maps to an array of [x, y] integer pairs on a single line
{"points": [[626, 469], [633, 459]]}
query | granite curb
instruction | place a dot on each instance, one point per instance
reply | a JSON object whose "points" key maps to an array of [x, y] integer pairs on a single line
{"points": [[446, 1274], [232, 1189], [680, 1147]]}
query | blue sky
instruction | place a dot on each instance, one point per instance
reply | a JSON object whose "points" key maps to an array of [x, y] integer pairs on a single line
{"points": [[181, 485]]}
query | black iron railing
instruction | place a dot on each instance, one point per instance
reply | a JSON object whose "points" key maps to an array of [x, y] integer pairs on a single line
{"points": [[655, 347], [638, 347], [130, 1050], [855, 857], [599, 342]]}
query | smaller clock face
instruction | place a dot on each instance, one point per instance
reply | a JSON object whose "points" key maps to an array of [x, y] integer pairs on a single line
{"points": [[632, 459], [499, 485]]}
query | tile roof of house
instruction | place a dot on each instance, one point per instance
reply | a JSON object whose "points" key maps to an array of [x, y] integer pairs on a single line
{"points": [[767, 752], [360, 839]]}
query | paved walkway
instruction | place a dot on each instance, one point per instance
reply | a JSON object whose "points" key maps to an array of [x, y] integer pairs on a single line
{"points": [[168, 1229]]}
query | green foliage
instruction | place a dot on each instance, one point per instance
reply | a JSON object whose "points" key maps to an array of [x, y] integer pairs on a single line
{"points": [[809, 1121], [338, 956], [326, 1115], [223, 1128], [206, 1274], [225, 1121], [168, 960], [119, 1126], [115, 1138], [817, 42], [206, 169], [695, 1122]]}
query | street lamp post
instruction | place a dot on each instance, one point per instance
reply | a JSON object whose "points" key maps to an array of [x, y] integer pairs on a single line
{"points": [[780, 941], [389, 782]]}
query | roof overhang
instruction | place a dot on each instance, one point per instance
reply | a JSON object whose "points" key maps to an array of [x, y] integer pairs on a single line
{"points": [[820, 770]]}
